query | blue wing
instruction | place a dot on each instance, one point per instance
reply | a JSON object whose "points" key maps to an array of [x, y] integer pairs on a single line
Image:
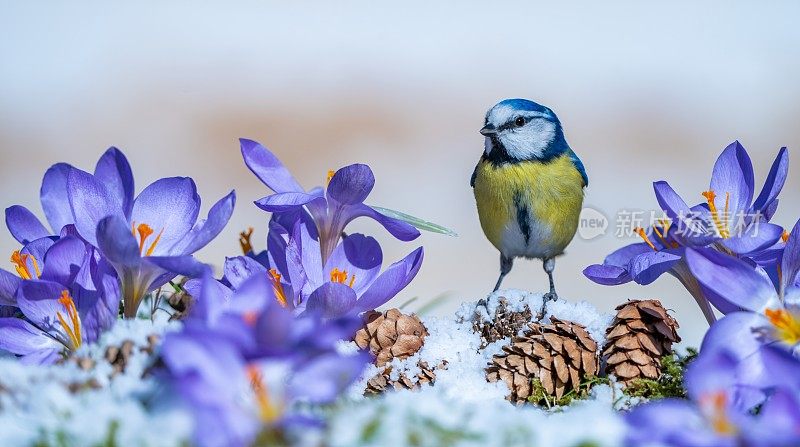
{"points": [[579, 166]]}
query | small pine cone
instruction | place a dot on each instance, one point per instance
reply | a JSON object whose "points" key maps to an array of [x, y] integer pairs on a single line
{"points": [[642, 333], [382, 381], [180, 302], [390, 335], [559, 355], [505, 323]]}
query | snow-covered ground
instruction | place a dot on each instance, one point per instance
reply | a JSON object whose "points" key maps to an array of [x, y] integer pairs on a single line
{"points": [[461, 406], [84, 402]]}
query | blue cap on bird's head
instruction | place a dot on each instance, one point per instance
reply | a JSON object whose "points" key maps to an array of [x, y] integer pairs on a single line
{"points": [[520, 129]]}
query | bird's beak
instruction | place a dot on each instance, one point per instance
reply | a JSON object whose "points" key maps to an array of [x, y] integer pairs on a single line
{"points": [[488, 129]]}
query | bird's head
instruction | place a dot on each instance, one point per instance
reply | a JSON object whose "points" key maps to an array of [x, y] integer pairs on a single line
{"points": [[519, 129]]}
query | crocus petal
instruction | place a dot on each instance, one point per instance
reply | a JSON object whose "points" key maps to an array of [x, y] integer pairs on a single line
{"points": [[63, 260], [17, 336], [779, 418], [397, 228], [774, 183], [790, 262], [252, 296], [757, 237], [783, 368], [392, 281], [689, 227], [170, 207], [323, 379], [114, 171], [55, 197], [770, 209], [709, 373], [273, 330], [607, 275], [90, 202], [734, 335], [8, 288], [285, 201], [185, 265], [115, 240], [105, 311], [208, 229], [23, 225], [43, 357], [38, 300], [210, 298], [239, 268], [673, 422], [360, 256], [351, 184], [731, 279], [648, 266], [266, 166], [331, 300], [622, 256], [733, 174]]}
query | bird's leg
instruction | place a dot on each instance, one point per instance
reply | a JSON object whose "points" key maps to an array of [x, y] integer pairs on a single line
{"points": [[505, 267], [549, 265]]}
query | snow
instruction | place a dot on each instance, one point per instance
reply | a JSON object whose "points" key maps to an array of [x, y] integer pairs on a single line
{"points": [[462, 406], [37, 404]]}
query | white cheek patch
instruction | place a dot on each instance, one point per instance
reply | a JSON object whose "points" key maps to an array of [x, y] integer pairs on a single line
{"points": [[529, 141]]}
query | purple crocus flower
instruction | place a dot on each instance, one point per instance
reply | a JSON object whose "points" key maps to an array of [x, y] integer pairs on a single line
{"points": [[330, 209], [764, 313], [708, 224], [111, 169], [745, 287], [716, 415], [729, 218], [69, 302], [243, 361], [350, 280], [147, 239]]}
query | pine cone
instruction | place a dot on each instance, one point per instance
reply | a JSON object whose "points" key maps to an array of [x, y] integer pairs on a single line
{"points": [[642, 333], [382, 381], [505, 324], [390, 335], [559, 355]]}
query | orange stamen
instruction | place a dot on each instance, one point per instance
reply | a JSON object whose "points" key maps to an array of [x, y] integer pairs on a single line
{"points": [[786, 325], [640, 231], [145, 231], [244, 240], [785, 236], [277, 287], [715, 406], [330, 176], [73, 327], [340, 276], [711, 197], [660, 236], [20, 261], [268, 411]]}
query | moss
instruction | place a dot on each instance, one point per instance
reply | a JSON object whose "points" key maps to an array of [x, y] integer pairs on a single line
{"points": [[670, 384], [540, 397]]}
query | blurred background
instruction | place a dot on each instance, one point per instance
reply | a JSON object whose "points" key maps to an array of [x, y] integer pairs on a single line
{"points": [[645, 92]]}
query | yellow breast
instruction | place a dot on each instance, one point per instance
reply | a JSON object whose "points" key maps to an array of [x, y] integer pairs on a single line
{"points": [[529, 208]]}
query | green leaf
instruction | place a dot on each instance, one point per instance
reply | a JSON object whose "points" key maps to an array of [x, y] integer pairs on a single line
{"points": [[416, 221]]}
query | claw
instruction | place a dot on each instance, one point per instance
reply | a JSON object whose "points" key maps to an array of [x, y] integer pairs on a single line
{"points": [[549, 296]]}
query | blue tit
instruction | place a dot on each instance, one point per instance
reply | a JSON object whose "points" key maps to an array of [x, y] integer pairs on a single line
{"points": [[528, 186]]}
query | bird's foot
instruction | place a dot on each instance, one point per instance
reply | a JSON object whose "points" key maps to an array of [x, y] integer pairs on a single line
{"points": [[549, 296]]}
